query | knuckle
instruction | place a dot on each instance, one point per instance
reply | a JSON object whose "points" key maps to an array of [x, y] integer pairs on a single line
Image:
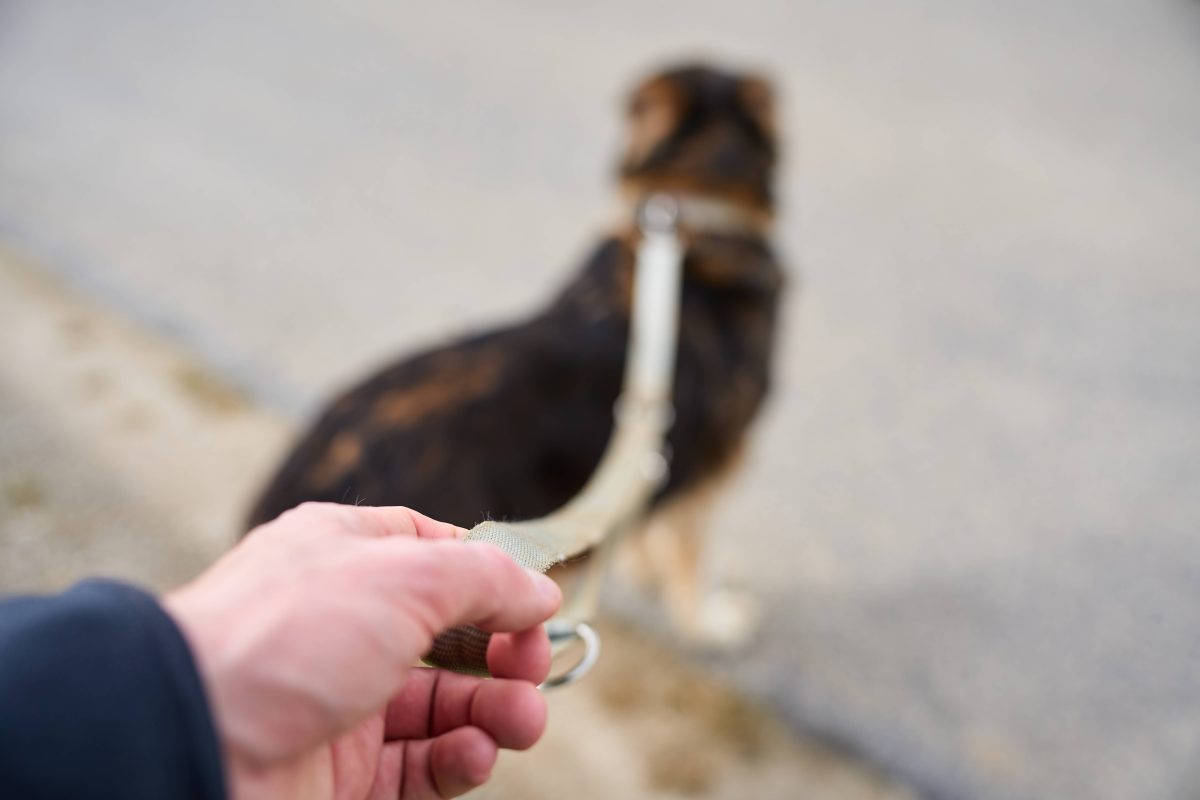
{"points": [[313, 516], [310, 508]]}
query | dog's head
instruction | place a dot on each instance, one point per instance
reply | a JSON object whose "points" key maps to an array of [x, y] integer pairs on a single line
{"points": [[698, 129]]}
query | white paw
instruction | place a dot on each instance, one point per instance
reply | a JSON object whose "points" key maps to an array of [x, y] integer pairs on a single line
{"points": [[728, 619]]}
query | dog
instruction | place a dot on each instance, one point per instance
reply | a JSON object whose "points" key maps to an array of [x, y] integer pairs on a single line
{"points": [[510, 424]]}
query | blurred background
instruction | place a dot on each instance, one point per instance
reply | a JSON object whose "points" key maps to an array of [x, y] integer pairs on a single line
{"points": [[972, 509]]}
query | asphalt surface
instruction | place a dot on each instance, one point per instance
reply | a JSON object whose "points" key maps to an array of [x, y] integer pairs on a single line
{"points": [[973, 506]]}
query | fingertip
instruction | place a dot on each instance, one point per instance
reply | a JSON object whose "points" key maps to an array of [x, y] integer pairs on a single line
{"points": [[528, 608], [523, 656], [479, 756], [547, 588], [462, 760], [514, 712], [532, 710]]}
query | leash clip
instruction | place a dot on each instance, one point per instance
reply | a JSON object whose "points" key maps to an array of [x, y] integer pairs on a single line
{"points": [[658, 214]]}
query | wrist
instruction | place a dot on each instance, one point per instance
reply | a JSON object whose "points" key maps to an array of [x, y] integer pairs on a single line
{"points": [[203, 641]]}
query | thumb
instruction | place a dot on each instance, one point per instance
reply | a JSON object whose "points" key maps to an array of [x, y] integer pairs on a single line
{"points": [[449, 583]]}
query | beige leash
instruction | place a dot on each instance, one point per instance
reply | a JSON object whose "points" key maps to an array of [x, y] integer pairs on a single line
{"points": [[633, 467]]}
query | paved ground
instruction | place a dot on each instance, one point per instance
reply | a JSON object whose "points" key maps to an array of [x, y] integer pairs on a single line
{"points": [[973, 507], [102, 470]]}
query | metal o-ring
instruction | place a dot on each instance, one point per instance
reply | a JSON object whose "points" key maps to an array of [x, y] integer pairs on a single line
{"points": [[591, 651]]}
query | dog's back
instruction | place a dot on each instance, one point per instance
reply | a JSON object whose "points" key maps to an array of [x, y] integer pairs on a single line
{"points": [[510, 424]]}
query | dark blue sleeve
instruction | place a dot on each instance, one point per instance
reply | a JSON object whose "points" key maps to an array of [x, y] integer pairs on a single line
{"points": [[100, 698]]}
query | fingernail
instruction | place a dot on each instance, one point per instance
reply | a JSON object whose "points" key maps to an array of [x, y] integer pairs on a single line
{"points": [[545, 586]]}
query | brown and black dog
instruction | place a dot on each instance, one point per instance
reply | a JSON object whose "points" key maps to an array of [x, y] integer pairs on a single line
{"points": [[510, 424]]}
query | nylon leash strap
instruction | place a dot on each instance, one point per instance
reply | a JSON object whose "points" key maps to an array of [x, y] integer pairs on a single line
{"points": [[633, 465]]}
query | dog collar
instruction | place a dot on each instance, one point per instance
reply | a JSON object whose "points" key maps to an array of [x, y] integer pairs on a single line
{"points": [[704, 214]]}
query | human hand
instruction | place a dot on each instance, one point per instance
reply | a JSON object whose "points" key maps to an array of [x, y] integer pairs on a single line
{"points": [[306, 635]]}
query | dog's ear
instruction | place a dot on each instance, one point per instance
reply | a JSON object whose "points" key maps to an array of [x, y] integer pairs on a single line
{"points": [[655, 110], [757, 99]]}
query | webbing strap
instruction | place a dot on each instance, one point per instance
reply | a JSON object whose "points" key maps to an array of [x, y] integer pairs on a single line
{"points": [[464, 649], [633, 465]]}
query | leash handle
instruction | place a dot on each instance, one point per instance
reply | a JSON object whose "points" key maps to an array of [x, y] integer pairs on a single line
{"points": [[464, 649]]}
